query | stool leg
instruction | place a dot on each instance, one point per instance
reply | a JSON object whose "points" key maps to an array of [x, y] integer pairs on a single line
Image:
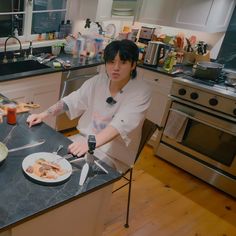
{"points": [[129, 195]]}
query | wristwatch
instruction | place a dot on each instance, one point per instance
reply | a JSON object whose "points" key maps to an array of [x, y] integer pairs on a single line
{"points": [[91, 142]]}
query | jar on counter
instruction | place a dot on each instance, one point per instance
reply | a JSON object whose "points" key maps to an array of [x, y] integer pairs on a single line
{"points": [[11, 114]]}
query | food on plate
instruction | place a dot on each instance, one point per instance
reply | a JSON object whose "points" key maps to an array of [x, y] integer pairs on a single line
{"points": [[45, 169]]}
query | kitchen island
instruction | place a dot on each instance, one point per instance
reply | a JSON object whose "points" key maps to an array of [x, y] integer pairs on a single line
{"points": [[33, 208]]}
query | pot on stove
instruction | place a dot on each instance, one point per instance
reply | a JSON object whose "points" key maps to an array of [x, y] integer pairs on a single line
{"points": [[207, 70], [231, 79]]}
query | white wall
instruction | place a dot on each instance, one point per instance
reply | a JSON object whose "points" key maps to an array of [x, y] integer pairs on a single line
{"points": [[214, 40]]}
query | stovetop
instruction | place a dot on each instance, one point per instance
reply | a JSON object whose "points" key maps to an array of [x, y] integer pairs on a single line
{"points": [[220, 86], [216, 95]]}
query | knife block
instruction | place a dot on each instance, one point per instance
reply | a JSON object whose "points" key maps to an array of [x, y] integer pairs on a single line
{"points": [[189, 58], [204, 57]]}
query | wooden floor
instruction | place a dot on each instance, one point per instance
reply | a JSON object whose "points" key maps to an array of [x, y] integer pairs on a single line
{"points": [[167, 201]]}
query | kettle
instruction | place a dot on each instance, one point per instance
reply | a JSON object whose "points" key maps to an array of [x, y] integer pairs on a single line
{"points": [[155, 51]]}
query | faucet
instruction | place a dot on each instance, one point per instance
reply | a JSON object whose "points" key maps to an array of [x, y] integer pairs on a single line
{"points": [[30, 50], [5, 49]]}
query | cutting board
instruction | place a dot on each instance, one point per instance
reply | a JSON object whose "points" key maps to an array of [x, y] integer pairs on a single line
{"points": [[20, 108]]}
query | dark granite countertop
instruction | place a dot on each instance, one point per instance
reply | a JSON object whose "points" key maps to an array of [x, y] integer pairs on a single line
{"points": [[76, 63], [22, 198], [82, 62], [178, 69]]}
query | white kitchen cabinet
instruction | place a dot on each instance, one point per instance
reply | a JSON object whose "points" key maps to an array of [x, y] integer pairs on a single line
{"points": [[158, 110], [157, 12], [161, 85], [96, 10], [202, 15], [43, 90]]}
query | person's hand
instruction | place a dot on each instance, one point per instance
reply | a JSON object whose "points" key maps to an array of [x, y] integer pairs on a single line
{"points": [[78, 148], [35, 119]]}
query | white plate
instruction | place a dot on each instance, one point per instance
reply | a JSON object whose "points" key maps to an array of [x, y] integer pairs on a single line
{"points": [[64, 164], [120, 13], [122, 9]]}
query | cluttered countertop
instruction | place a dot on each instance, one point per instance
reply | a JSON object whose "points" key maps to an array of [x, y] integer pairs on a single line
{"points": [[23, 197], [44, 67]]}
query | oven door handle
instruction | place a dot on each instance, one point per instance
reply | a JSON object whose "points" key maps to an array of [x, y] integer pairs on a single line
{"points": [[203, 122]]}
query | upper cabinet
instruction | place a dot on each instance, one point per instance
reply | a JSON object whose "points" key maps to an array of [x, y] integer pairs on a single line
{"points": [[100, 10], [202, 15], [96, 10], [104, 10], [157, 12]]}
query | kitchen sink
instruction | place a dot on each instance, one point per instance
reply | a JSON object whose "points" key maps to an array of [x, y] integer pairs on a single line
{"points": [[21, 66]]}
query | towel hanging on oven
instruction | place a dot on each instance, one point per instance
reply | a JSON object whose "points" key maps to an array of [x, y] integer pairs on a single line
{"points": [[175, 125]]}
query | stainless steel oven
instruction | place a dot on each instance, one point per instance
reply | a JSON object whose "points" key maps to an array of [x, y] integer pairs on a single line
{"points": [[199, 136]]}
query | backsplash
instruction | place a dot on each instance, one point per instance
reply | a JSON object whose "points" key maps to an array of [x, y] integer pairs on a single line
{"points": [[227, 54]]}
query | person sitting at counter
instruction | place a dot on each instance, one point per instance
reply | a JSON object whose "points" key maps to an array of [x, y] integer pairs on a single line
{"points": [[111, 106]]}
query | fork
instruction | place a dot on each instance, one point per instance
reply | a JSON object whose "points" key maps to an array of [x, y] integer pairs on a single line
{"points": [[58, 149]]}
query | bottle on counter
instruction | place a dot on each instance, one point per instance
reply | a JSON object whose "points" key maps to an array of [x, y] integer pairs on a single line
{"points": [[98, 47], [68, 28], [62, 30], [65, 29], [170, 61], [11, 114], [80, 44]]}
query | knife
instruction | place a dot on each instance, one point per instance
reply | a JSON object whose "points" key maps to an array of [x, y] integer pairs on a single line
{"points": [[29, 145], [84, 173]]}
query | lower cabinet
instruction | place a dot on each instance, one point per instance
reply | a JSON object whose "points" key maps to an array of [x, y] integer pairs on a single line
{"points": [[158, 110], [43, 90]]}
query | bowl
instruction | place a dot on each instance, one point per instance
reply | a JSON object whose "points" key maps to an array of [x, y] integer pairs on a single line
{"points": [[3, 152]]}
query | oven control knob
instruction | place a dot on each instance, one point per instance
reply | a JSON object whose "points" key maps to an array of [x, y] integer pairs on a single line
{"points": [[234, 111], [182, 91], [213, 101], [194, 96]]}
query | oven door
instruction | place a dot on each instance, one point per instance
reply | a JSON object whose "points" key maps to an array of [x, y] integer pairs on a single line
{"points": [[207, 138]]}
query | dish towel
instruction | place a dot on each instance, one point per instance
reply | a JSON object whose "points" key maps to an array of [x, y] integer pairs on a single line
{"points": [[175, 125]]}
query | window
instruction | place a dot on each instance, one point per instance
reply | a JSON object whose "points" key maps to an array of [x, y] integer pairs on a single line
{"points": [[11, 17], [30, 17], [47, 15]]}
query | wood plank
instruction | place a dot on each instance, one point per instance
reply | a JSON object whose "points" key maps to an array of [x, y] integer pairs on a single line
{"points": [[167, 201]]}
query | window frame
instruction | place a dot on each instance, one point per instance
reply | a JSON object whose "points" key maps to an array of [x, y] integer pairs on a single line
{"points": [[28, 18]]}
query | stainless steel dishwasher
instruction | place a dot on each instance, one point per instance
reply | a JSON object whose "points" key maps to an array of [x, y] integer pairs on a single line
{"points": [[71, 81]]}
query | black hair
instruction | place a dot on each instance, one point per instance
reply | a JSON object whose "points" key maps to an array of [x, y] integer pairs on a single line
{"points": [[127, 49]]}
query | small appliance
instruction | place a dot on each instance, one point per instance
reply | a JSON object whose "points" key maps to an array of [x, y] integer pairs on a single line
{"points": [[146, 34], [154, 52]]}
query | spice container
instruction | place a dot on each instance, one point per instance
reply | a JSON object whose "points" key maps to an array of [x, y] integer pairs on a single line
{"points": [[11, 114]]}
